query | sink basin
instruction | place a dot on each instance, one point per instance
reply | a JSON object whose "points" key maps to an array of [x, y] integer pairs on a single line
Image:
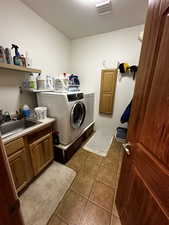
{"points": [[13, 127]]}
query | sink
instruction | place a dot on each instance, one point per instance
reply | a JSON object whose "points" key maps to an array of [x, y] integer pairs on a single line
{"points": [[13, 127]]}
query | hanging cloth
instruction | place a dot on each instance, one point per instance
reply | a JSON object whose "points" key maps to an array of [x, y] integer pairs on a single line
{"points": [[126, 115]]}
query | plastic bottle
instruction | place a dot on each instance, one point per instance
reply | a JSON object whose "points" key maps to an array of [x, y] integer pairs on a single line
{"points": [[8, 56], [32, 82], [2, 55], [41, 82], [28, 60], [17, 59], [49, 83], [26, 111]]}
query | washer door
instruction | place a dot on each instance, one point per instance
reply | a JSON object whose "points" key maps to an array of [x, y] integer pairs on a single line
{"points": [[77, 115]]}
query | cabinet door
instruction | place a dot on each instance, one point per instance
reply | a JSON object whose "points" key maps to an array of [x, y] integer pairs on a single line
{"points": [[41, 153], [17, 163], [37, 156], [107, 91], [48, 149]]}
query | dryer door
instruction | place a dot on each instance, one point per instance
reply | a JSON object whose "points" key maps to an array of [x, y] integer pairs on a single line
{"points": [[77, 115]]}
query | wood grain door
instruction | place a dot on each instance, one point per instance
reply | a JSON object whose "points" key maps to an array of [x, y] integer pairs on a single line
{"points": [[143, 191], [41, 153], [48, 149], [9, 203], [107, 91], [18, 168]]}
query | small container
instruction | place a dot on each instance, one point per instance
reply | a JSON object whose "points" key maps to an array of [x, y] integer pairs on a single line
{"points": [[41, 113], [2, 55], [8, 56], [41, 82]]}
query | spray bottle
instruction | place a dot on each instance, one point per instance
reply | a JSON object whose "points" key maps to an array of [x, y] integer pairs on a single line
{"points": [[17, 58]]}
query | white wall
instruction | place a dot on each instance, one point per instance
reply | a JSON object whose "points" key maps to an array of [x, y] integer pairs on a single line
{"points": [[88, 55], [49, 49]]}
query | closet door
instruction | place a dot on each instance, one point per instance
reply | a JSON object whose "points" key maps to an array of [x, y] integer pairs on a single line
{"points": [[107, 91]]}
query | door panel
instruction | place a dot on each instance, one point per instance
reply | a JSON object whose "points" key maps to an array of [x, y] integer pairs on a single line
{"points": [[156, 122], [107, 91], [17, 163], [106, 103], [38, 159], [155, 175], [142, 208], [48, 149], [108, 82], [144, 77], [41, 153]]}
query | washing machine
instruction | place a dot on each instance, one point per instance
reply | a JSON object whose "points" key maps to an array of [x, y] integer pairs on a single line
{"points": [[89, 99], [68, 109]]}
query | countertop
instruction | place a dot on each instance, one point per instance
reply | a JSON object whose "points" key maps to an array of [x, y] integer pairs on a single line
{"points": [[43, 123]]}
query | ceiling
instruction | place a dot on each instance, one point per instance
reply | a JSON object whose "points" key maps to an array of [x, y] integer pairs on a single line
{"points": [[79, 18]]}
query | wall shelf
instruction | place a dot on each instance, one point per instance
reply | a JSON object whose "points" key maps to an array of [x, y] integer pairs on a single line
{"points": [[18, 68]]}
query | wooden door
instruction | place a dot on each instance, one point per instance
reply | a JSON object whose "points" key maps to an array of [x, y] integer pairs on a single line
{"points": [[9, 203], [107, 91], [41, 153], [48, 148], [18, 168], [143, 191], [37, 156]]}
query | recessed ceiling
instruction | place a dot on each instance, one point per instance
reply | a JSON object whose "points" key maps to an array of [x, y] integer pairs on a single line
{"points": [[79, 18]]}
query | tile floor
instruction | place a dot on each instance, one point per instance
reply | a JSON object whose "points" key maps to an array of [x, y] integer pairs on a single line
{"points": [[90, 199]]}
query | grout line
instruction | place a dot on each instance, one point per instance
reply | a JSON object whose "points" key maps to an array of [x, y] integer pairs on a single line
{"points": [[100, 206]]}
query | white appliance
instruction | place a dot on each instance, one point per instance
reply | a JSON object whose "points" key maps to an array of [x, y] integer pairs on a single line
{"points": [[63, 85], [68, 109], [89, 98]]}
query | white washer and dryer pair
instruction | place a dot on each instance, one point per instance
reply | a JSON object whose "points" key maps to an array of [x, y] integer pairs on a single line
{"points": [[69, 110]]}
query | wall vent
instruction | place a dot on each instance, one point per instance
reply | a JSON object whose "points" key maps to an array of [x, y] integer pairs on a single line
{"points": [[104, 7]]}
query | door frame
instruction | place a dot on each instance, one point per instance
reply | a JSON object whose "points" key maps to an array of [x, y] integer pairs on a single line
{"points": [[10, 213]]}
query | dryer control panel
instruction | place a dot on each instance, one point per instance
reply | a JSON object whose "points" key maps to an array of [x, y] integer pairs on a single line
{"points": [[75, 97]]}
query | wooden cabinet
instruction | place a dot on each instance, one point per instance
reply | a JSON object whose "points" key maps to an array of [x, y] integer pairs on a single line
{"points": [[29, 155], [17, 164], [107, 91], [41, 153]]}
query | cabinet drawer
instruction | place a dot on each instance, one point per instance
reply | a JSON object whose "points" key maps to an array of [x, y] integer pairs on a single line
{"points": [[14, 146], [40, 140]]}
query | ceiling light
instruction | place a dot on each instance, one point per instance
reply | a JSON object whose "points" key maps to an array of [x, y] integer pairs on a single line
{"points": [[104, 7]]}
